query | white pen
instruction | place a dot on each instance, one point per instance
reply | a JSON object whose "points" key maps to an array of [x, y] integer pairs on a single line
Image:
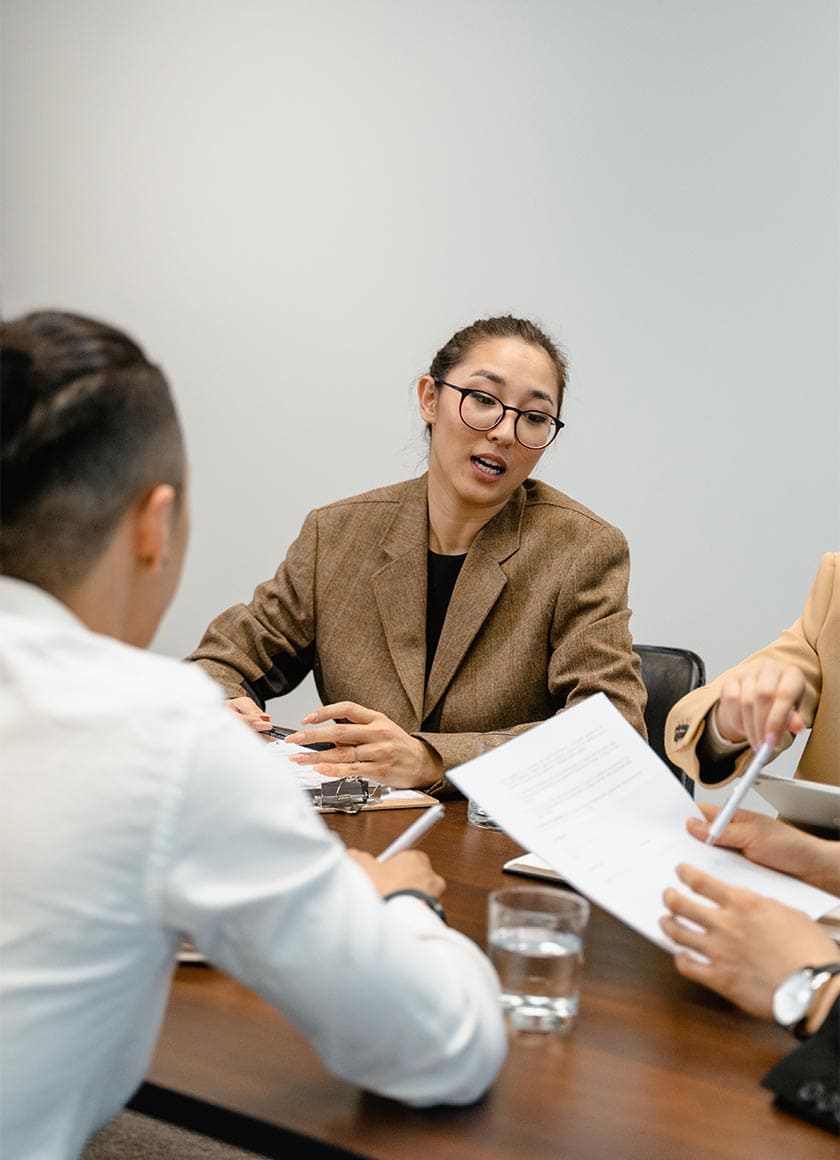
{"points": [[731, 804], [415, 830]]}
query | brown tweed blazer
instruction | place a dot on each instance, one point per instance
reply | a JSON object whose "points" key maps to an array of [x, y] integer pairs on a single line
{"points": [[538, 619], [813, 645]]}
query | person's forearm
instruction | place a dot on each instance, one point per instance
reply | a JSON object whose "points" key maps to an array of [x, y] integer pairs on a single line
{"points": [[265, 648], [240, 654], [821, 863], [433, 778], [453, 749]]}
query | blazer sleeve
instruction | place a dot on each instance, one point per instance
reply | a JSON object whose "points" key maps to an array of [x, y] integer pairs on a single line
{"points": [[797, 645], [807, 1082], [265, 648], [591, 649]]}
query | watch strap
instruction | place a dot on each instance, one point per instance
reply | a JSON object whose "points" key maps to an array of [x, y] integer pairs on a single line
{"points": [[432, 902], [819, 977]]}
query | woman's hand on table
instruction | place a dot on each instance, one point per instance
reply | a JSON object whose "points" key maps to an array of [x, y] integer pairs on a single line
{"points": [[410, 870], [369, 745]]}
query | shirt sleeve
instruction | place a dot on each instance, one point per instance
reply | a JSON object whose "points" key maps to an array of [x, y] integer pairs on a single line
{"points": [[390, 997]]}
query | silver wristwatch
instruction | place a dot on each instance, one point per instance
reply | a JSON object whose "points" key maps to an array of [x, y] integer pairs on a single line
{"points": [[793, 998]]}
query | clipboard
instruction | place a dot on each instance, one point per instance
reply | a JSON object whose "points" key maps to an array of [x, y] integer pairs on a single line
{"points": [[352, 795], [348, 795]]}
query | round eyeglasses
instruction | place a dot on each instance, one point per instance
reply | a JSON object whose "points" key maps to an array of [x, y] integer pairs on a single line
{"points": [[482, 412]]}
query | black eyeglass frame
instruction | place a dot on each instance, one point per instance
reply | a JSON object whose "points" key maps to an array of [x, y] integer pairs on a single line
{"points": [[465, 391]]}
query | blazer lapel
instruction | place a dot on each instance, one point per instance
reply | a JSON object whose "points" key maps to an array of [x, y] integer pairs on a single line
{"points": [[399, 588], [479, 586]]}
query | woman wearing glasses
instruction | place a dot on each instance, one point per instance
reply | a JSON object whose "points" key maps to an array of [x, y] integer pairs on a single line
{"points": [[443, 615]]}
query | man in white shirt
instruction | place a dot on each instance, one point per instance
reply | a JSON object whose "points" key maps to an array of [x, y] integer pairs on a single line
{"points": [[137, 811]]}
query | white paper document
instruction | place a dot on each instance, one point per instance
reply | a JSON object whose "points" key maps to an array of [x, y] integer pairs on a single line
{"points": [[585, 793], [304, 775]]}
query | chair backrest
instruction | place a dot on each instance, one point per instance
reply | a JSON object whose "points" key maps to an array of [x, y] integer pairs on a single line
{"points": [[668, 674]]}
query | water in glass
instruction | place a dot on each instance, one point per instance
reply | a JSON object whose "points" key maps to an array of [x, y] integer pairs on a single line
{"points": [[540, 972]]}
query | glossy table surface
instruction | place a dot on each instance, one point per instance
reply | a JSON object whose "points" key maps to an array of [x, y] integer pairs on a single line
{"points": [[655, 1067]]}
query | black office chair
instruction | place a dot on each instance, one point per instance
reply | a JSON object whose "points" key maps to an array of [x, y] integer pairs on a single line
{"points": [[668, 674]]}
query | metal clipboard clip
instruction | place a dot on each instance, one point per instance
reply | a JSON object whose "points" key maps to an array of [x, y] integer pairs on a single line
{"points": [[348, 795]]}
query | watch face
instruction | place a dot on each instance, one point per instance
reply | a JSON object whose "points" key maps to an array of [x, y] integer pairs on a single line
{"points": [[793, 998]]}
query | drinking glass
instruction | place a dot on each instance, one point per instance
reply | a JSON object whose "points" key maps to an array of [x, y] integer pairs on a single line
{"points": [[479, 817], [535, 940]]}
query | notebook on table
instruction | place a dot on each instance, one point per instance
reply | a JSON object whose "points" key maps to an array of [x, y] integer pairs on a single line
{"points": [[532, 866]]}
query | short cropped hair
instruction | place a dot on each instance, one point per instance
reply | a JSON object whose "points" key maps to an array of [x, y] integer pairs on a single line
{"points": [[87, 425]]}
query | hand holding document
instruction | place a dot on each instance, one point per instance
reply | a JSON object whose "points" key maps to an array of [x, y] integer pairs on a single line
{"points": [[583, 792], [738, 794]]}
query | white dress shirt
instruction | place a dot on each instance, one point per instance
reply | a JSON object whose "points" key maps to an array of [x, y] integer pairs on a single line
{"points": [[137, 811]]}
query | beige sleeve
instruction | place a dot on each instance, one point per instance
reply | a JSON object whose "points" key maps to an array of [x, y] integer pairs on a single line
{"points": [[687, 720]]}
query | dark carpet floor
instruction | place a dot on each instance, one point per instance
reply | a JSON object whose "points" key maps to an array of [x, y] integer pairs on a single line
{"points": [[131, 1136]]}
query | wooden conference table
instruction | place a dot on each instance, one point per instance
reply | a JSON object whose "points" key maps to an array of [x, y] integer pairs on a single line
{"points": [[656, 1066]]}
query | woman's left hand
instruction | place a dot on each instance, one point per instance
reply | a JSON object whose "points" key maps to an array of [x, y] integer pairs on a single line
{"points": [[369, 746]]}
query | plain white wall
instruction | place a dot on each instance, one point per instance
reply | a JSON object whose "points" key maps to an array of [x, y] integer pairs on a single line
{"points": [[294, 204]]}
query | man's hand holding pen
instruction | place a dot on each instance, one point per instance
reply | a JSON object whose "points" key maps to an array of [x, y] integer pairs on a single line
{"points": [[410, 870]]}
